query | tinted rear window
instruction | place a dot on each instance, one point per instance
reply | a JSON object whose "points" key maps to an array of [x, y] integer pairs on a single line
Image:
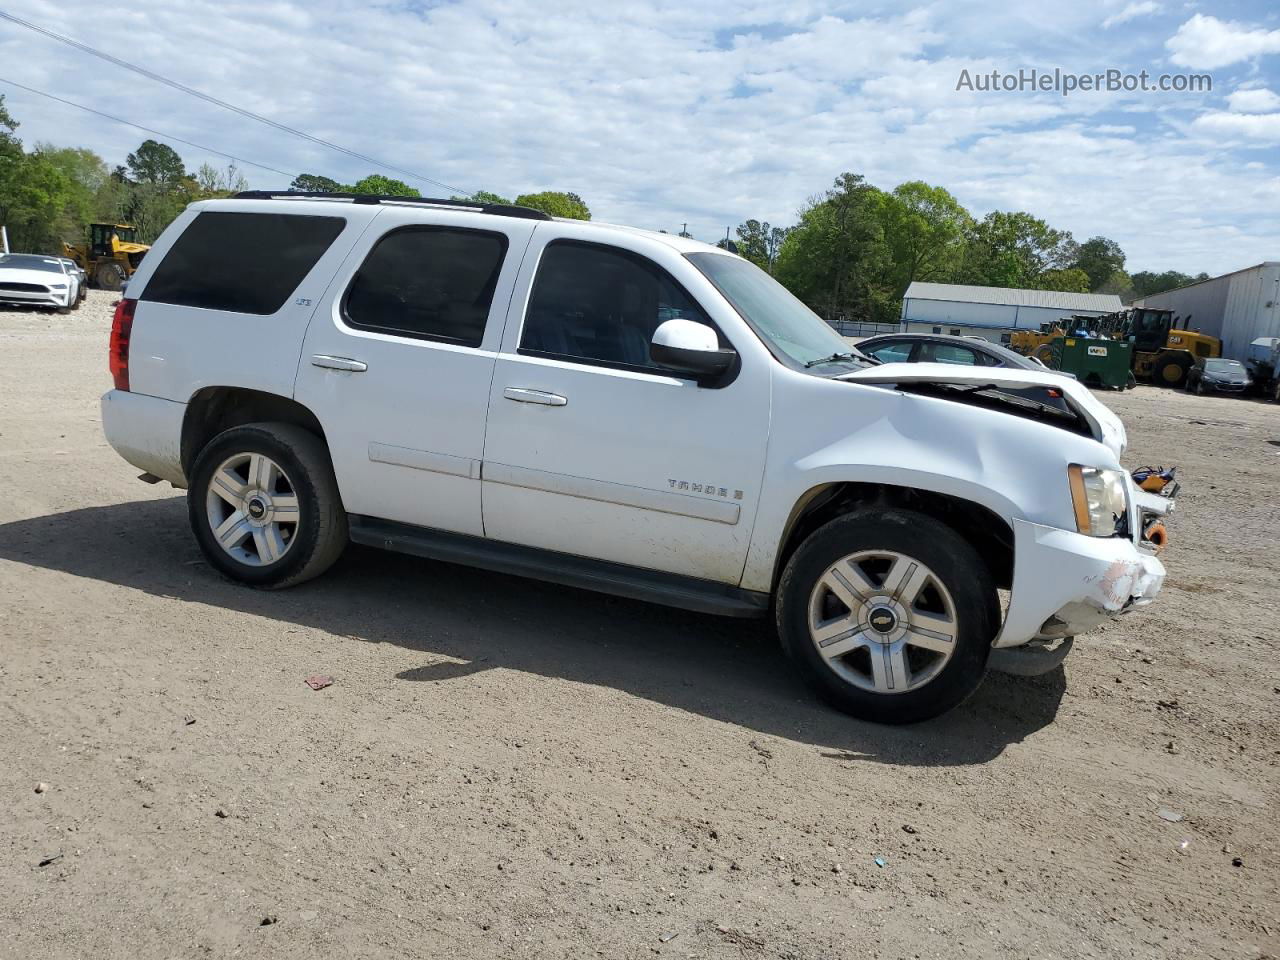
{"points": [[241, 262], [430, 283]]}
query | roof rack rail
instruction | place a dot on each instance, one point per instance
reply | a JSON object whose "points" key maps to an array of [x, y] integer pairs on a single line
{"points": [[497, 209]]}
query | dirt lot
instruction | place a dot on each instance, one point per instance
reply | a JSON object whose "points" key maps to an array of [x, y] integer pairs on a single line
{"points": [[505, 768]]}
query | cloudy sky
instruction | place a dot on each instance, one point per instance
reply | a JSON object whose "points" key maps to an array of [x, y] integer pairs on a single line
{"points": [[660, 113]]}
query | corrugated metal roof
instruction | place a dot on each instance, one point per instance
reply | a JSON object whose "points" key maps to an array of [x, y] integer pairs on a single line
{"points": [[1008, 296]]}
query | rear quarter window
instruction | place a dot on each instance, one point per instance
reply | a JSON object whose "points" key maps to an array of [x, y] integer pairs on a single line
{"points": [[241, 262]]}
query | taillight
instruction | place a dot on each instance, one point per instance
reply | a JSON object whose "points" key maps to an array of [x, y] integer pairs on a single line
{"points": [[118, 352]]}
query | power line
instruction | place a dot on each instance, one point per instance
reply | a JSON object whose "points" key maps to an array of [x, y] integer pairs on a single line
{"points": [[142, 71], [127, 123]]}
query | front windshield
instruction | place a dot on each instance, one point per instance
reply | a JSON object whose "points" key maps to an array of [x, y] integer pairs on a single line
{"points": [[1222, 365], [28, 261], [126, 234], [788, 328]]}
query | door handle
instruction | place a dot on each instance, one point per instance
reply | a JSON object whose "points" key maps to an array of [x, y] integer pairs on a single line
{"points": [[339, 363], [523, 395]]}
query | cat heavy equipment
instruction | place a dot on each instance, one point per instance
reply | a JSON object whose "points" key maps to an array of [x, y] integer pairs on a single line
{"points": [[1162, 353], [111, 255]]}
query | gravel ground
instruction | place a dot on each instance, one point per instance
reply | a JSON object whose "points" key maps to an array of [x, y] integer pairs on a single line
{"points": [[505, 768]]}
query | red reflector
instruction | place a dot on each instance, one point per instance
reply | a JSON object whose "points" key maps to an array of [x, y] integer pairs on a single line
{"points": [[118, 352]]}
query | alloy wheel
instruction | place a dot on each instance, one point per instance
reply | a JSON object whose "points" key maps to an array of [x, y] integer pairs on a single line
{"points": [[252, 508], [883, 621]]}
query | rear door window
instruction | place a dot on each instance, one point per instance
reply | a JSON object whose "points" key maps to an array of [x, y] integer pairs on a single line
{"points": [[429, 283], [897, 352], [241, 262], [948, 353]]}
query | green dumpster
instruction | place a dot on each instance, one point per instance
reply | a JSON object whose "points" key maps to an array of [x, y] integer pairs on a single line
{"points": [[1097, 363]]}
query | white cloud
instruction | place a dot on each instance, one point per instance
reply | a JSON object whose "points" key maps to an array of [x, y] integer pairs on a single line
{"points": [[1257, 100], [1208, 42], [661, 111], [1254, 126], [1142, 8]]}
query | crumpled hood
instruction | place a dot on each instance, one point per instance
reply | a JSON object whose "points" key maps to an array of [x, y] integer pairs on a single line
{"points": [[1105, 425], [45, 278]]}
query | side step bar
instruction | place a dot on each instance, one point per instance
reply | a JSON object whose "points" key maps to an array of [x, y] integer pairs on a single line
{"points": [[688, 593]]}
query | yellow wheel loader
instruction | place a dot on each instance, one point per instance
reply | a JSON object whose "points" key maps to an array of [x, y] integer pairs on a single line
{"points": [[111, 255]]}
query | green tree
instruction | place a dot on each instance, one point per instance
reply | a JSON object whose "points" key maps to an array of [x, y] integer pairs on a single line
{"points": [[925, 229], [1100, 258], [85, 174], [483, 196], [555, 203], [314, 183], [835, 259], [33, 199], [1119, 283], [213, 182], [1071, 280], [380, 186], [155, 162], [1012, 249], [760, 242], [1146, 283]]}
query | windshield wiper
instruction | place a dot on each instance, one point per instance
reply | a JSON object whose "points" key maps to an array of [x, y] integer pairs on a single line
{"points": [[834, 358]]}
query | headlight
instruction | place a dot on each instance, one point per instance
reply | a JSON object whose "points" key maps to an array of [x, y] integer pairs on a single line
{"points": [[57, 286], [1100, 499]]}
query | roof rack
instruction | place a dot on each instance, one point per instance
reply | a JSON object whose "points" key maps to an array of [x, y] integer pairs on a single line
{"points": [[497, 209]]}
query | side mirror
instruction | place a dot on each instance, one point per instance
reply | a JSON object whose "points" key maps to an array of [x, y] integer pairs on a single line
{"points": [[691, 348]]}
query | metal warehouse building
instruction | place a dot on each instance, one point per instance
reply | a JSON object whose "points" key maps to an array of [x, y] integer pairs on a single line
{"points": [[1237, 308], [993, 313]]}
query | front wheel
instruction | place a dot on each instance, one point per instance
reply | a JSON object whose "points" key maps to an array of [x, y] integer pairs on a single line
{"points": [[264, 505], [110, 276], [888, 614]]}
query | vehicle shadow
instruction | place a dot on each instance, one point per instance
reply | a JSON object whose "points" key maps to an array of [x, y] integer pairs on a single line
{"points": [[728, 670]]}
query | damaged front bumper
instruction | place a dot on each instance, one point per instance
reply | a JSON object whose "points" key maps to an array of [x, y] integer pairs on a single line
{"points": [[1065, 583]]}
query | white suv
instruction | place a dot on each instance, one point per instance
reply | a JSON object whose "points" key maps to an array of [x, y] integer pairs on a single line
{"points": [[620, 410]]}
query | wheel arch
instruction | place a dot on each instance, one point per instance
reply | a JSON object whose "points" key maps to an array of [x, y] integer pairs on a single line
{"points": [[990, 534], [212, 410]]}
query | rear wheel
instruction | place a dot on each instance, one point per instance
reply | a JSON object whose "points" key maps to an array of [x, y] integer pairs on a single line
{"points": [[888, 615], [264, 505]]}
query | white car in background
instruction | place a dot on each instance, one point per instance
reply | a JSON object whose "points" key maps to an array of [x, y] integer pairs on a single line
{"points": [[82, 278], [35, 280]]}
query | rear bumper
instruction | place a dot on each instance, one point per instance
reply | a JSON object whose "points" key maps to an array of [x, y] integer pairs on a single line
{"points": [[146, 431], [1065, 583]]}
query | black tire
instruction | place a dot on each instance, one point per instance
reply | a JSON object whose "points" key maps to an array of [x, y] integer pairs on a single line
{"points": [[939, 548], [1171, 368], [320, 534], [110, 276]]}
